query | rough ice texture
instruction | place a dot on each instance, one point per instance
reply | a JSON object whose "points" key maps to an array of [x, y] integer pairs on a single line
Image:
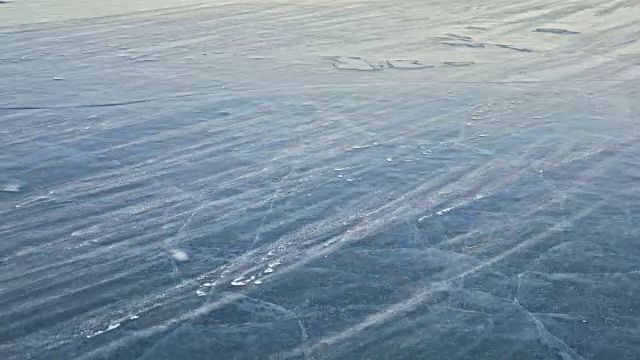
{"points": [[350, 180]]}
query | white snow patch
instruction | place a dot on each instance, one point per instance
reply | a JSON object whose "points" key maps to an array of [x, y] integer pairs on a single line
{"points": [[179, 255]]}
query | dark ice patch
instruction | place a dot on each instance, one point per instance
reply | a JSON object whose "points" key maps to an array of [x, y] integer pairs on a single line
{"points": [[359, 64], [407, 64], [470, 45], [460, 37], [351, 63], [458, 63], [556, 31], [510, 47]]}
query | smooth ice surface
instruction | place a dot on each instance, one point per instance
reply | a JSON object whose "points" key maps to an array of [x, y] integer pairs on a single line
{"points": [[367, 179]]}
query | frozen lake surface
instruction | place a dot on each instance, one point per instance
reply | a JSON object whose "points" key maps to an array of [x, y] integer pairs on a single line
{"points": [[320, 179]]}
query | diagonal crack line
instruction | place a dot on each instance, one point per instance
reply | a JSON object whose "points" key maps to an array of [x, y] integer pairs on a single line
{"points": [[303, 330], [99, 105], [328, 86], [520, 280], [269, 210], [550, 340]]}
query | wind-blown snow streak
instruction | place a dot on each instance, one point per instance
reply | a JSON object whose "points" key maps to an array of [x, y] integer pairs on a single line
{"points": [[321, 179]]}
